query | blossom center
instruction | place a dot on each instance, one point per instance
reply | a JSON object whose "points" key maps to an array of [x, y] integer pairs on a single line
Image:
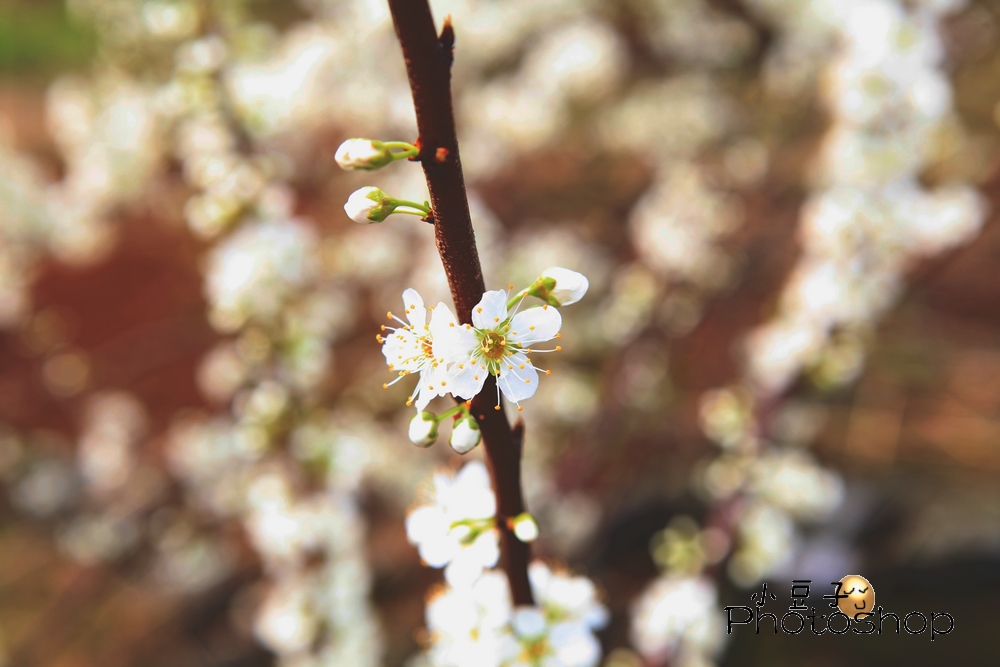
{"points": [[494, 345], [535, 650]]}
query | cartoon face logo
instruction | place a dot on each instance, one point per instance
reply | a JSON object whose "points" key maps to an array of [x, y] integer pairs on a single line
{"points": [[860, 600]]}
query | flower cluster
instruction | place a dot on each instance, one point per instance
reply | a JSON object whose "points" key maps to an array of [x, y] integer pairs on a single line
{"points": [[453, 358], [677, 620], [478, 625], [458, 531]]}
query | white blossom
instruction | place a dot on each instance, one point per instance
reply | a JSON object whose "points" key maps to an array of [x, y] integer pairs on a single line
{"points": [[421, 347], [286, 623], [677, 618], [467, 624], [794, 482], [458, 531], [476, 625], [499, 345], [254, 271]]}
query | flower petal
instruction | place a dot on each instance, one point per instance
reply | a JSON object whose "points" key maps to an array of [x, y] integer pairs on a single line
{"points": [[434, 382], [426, 523], [451, 341], [415, 311], [517, 383], [535, 325], [570, 285], [439, 552], [402, 351], [424, 394], [467, 379], [491, 310]]}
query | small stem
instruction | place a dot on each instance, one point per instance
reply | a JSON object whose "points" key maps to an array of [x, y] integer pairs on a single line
{"points": [[422, 214], [514, 300], [424, 208], [406, 150], [455, 410]]}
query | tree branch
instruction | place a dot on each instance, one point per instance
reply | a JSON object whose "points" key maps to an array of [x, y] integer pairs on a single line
{"points": [[428, 66]]}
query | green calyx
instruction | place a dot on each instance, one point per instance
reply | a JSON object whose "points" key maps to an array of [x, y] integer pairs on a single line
{"points": [[540, 289], [387, 205]]}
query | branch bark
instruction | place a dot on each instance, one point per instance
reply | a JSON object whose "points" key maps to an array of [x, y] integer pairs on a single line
{"points": [[428, 65]]}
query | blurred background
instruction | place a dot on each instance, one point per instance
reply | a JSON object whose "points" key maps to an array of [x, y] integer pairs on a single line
{"points": [[787, 365]]}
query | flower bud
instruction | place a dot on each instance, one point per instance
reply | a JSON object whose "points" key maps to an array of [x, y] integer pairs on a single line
{"points": [[423, 429], [363, 154], [525, 527], [465, 435], [368, 205], [561, 287]]}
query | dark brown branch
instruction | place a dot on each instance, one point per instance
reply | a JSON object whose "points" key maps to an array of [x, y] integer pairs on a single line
{"points": [[428, 65]]}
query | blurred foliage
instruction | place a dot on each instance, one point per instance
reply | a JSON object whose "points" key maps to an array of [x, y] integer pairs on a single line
{"points": [[41, 37]]}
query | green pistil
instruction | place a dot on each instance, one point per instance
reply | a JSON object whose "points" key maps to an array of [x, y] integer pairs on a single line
{"points": [[476, 528], [495, 346]]}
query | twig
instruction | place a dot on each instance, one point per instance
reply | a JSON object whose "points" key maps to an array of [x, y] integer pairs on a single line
{"points": [[428, 66]]}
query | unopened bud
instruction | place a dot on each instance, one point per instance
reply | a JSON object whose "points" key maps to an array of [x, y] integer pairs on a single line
{"points": [[560, 287], [423, 429], [363, 154], [465, 435], [525, 527], [368, 205]]}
